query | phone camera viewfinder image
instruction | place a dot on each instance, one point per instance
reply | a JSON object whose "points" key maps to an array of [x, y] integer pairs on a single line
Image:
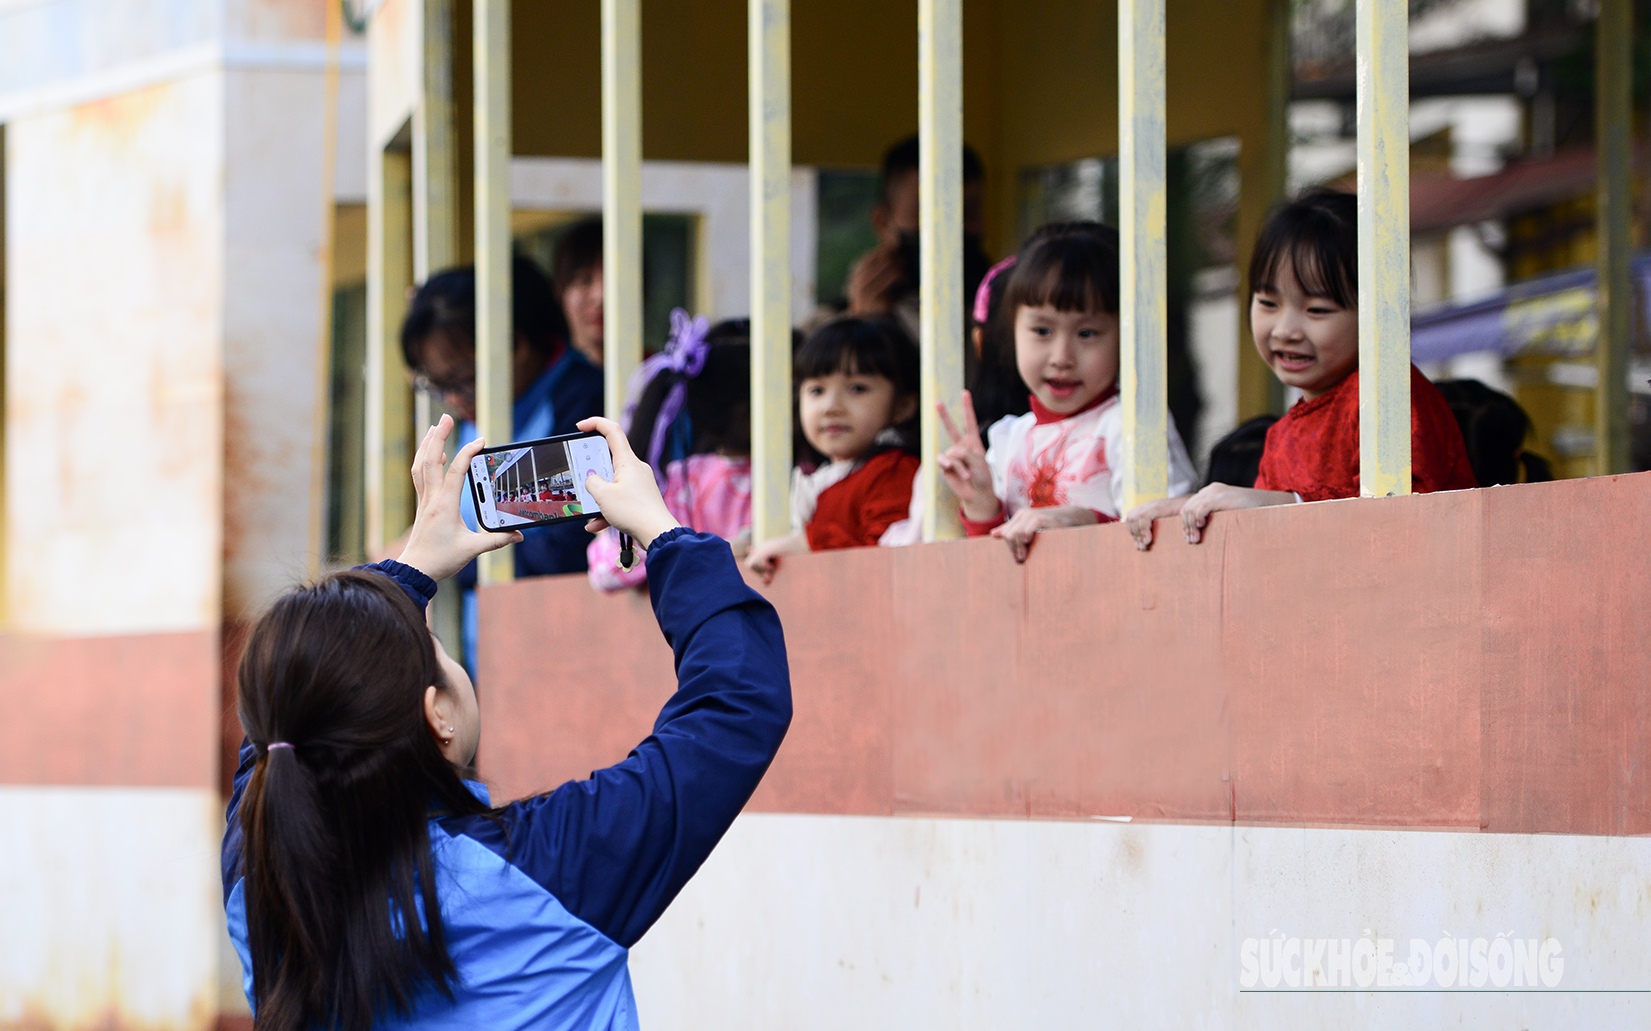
{"points": [[540, 482]]}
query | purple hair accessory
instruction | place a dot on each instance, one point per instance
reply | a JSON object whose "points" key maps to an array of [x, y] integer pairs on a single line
{"points": [[983, 293], [684, 353], [273, 745]]}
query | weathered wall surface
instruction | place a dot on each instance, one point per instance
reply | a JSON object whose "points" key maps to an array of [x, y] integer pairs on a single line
{"points": [[167, 292], [816, 923], [1458, 674]]}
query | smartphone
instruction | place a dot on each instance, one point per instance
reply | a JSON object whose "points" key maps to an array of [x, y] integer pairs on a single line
{"points": [[537, 482]]}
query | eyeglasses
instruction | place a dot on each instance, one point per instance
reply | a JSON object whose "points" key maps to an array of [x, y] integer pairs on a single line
{"points": [[441, 389]]}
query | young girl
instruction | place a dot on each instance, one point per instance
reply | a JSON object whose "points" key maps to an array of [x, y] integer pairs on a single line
{"points": [[1304, 317], [1061, 464], [366, 884], [856, 402], [692, 422]]}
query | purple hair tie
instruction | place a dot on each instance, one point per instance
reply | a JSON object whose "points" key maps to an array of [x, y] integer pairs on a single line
{"points": [[685, 354], [273, 745], [983, 293]]}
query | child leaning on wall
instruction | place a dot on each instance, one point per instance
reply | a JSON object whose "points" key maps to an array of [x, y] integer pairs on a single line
{"points": [[691, 422], [857, 383], [1305, 320], [1061, 464]]}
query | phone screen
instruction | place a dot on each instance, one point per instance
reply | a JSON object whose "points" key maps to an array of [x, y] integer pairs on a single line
{"points": [[539, 482]]}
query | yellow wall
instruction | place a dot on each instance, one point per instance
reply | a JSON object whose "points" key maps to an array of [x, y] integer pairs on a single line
{"points": [[1040, 81]]}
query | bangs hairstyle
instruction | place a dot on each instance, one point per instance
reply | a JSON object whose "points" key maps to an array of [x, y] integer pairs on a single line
{"points": [[1068, 266], [860, 347], [1317, 235]]}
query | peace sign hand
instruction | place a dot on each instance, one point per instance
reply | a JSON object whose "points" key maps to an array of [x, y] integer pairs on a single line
{"points": [[964, 465]]}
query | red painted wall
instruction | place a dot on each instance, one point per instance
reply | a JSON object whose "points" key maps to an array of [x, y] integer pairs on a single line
{"points": [[1474, 660], [135, 711]]}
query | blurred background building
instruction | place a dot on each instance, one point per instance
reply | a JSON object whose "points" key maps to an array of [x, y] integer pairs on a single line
{"points": [[194, 193]]}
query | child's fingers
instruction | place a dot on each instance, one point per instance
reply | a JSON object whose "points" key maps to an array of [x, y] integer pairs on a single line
{"points": [[946, 419], [970, 425]]}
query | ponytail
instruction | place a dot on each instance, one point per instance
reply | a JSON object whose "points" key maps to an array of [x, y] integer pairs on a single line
{"points": [[334, 818]]}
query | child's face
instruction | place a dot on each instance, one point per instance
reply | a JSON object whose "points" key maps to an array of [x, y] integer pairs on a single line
{"points": [[1310, 343], [1067, 358], [843, 413]]}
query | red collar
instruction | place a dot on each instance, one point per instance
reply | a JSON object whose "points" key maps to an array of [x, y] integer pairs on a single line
{"points": [[1044, 415]]}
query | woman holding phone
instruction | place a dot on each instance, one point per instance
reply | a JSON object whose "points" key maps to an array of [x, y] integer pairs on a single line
{"points": [[367, 884]]}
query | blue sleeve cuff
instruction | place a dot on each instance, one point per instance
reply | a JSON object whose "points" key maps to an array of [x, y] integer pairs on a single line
{"points": [[673, 534], [418, 586]]}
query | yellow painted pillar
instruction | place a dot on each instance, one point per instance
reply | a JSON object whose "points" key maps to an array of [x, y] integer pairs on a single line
{"points": [[1263, 181], [316, 535], [1144, 282], [769, 43], [435, 168], [940, 186], [621, 198], [1383, 49], [1613, 129], [494, 337], [389, 453]]}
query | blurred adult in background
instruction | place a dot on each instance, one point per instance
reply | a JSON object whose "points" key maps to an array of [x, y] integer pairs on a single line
{"points": [[885, 280], [552, 385], [577, 274]]}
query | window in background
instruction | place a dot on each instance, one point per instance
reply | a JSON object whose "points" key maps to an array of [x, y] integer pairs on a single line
{"points": [[845, 198]]}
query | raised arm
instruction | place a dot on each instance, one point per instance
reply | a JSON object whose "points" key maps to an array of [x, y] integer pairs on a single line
{"points": [[616, 848]]}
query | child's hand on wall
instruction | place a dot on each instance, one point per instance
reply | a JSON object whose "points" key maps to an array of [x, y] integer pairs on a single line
{"points": [[1139, 519], [1219, 497], [764, 559], [964, 465], [1025, 524]]}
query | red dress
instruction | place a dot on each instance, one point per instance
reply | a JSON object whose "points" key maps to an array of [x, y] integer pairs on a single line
{"points": [[855, 511], [1314, 450]]}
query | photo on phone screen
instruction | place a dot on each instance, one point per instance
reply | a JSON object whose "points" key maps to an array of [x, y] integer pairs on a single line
{"points": [[540, 481]]}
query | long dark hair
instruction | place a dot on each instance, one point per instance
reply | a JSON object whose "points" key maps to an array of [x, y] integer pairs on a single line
{"points": [[996, 387], [336, 856], [718, 409]]}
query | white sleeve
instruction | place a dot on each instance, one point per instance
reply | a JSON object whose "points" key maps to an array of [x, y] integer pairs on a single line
{"points": [[1183, 477], [1001, 442]]}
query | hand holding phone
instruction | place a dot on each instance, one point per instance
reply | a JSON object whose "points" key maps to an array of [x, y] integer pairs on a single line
{"points": [[630, 501], [439, 544]]}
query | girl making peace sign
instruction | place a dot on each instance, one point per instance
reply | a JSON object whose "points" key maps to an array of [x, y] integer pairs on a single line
{"points": [[1061, 464]]}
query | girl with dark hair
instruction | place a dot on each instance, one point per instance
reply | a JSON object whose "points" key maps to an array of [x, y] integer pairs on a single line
{"points": [[1061, 464], [692, 423], [1304, 294], [367, 884], [857, 409]]}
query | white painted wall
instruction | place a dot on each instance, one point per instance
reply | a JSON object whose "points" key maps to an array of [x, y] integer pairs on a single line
{"points": [[109, 907], [114, 380], [811, 922]]}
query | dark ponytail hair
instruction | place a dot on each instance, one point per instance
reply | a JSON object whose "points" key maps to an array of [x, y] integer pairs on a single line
{"points": [[336, 859], [718, 407]]}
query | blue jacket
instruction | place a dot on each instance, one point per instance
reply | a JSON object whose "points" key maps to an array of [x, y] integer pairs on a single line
{"points": [[540, 939]]}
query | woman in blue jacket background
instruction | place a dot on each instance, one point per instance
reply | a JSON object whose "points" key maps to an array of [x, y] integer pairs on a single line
{"points": [[350, 821]]}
